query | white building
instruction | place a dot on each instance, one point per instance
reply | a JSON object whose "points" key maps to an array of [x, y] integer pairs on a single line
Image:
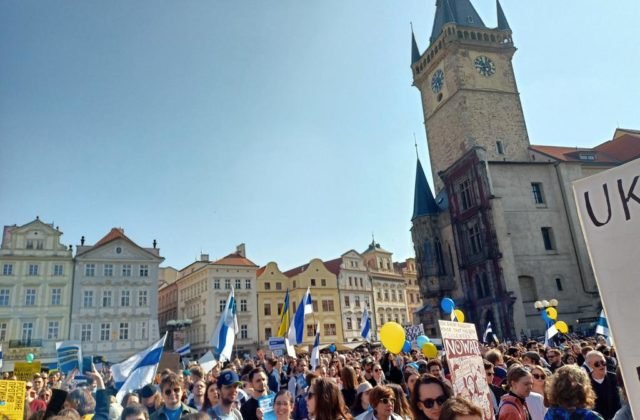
{"points": [[115, 296], [35, 292]]}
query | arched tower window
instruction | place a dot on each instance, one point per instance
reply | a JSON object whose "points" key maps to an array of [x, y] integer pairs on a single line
{"points": [[559, 284]]}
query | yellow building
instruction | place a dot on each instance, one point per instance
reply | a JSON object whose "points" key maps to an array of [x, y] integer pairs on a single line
{"points": [[412, 290], [326, 301], [272, 288]]}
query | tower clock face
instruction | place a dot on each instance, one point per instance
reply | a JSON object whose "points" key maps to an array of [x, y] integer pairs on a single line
{"points": [[485, 66], [437, 81]]}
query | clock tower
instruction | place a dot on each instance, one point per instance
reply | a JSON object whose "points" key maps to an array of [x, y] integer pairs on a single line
{"points": [[469, 94]]}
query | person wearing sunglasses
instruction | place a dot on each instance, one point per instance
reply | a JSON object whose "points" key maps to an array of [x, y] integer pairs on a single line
{"points": [[535, 400], [460, 409], [325, 402], [171, 393], [428, 396], [228, 383], [604, 385], [383, 402], [513, 406], [377, 376]]}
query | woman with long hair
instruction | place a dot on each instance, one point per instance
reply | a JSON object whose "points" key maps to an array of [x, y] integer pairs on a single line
{"points": [[349, 385], [211, 396], [535, 400], [401, 407], [324, 401], [410, 377], [428, 396], [283, 405], [570, 395], [361, 402], [513, 405], [383, 402]]}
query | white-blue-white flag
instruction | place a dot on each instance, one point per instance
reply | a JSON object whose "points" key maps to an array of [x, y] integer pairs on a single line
{"points": [[365, 328], [603, 328], [551, 332], [296, 329], [184, 350], [488, 331], [224, 336], [315, 352], [0, 355], [138, 370], [207, 362]]}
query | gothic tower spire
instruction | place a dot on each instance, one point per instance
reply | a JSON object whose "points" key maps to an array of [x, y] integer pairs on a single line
{"points": [[415, 52], [460, 12], [423, 202], [502, 19]]}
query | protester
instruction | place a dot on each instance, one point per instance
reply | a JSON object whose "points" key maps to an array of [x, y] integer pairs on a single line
{"points": [[150, 398], [625, 412], [134, 412], [604, 385], [130, 398], [228, 383], [428, 396], [570, 395], [383, 402], [496, 392], [273, 374], [460, 409], [260, 388], [513, 405], [197, 397], [377, 375], [349, 385], [535, 400], [283, 405], [361, 403], [297, 383], [554, 357], [211, 396], [325, 402], [171, 392], [410, 378], [401, 407]]}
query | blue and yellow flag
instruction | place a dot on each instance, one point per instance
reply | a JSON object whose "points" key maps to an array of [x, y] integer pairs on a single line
{"points": [[284, 317]]}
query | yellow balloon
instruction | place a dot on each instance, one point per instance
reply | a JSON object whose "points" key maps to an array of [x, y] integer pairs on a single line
{"points": [[392, 336], [459, 315], [562, 327], [430, 351], [552, 313]]}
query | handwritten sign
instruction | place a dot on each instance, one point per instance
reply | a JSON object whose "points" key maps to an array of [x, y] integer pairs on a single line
{"points": [[12, 395], [24, 371], [468, 378]]}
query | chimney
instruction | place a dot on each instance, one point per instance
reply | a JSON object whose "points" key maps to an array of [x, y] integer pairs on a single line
{"points": [[204, 257], [82, 240], [240, 250], [155, 243]]}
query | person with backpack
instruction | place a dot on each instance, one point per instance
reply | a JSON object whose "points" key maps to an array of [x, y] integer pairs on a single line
{"points": [[513, 406]]}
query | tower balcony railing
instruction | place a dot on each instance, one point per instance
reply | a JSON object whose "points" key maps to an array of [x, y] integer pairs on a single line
{"points": [[33, 342]]}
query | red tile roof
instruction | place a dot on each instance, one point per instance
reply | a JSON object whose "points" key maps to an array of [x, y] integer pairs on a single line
{"points": [[296, 271], [572, 154], [623, 148], [115, 233], [260, 271], [334, 265], [235, 259]]}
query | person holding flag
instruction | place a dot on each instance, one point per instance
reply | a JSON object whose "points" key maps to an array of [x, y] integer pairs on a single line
{"points": [[315, 352], [225, 333]]}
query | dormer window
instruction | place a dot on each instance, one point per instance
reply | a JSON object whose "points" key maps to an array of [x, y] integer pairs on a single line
{"points": [[587, 156]]}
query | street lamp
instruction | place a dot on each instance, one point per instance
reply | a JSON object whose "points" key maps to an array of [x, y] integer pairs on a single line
{"points": [[174, 325]]}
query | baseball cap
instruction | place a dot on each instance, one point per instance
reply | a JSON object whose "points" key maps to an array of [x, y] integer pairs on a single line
{"points": [[363, 387], [147, 391], [533, 356], [228, 377]]}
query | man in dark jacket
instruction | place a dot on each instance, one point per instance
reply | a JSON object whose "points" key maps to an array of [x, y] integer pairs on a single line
{"points": [[171, 392], [604, 384]]}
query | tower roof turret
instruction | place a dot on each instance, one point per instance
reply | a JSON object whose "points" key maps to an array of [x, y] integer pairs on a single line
{"points": [[460, 12], [415, 52], [424, 204], [502, 19]]}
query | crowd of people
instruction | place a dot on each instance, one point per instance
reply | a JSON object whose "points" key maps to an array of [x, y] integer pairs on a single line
{"points": [[527, 381]]}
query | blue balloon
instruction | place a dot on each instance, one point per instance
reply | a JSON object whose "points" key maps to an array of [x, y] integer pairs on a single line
{"points": [[407, 347], [545, 316], [421, 340], [447, 305], [332, 348]]}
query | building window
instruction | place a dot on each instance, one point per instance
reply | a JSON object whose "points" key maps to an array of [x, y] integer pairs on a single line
{"points": [[227, 284], [244, 332], [105, 331], [267, 333], [466, 194], [359, 321], [350, 282], [379, 295], [108, 270], [366, 301], [40, 244], [58, 270], [475, 240], [499, 148], [536, 191], [243, 305], [361, 283], [313, 282], [278, 286], [216, 284], [323, 282], [223, 304], [280, 307], [294, 284], [53, 330], [87, 301], [85, 332], [547, 238], [327, 306], [267, 285], [238, 284], [5, 295], [125, 296], [346, 301], [106, 298], [357, 301], [400, 296], [144, 330], [144, 270], [56, 296], [143, 298], [7, 270], [247, 283], [27, 331], [90, 270], [267, 309], [126, 270], [386, 295], [315, 305], [349, 323], [30, 297], [411, 297], [393, 295], [3, 331], [559, 284], [124, 331], [29, 243], [310, 330], [329, 329], [33, 269]]}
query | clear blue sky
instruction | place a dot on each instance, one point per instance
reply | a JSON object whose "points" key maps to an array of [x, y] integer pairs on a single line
{"points": [[287, 125]]}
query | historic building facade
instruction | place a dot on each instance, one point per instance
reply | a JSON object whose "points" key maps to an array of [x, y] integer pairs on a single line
{"points": [[407, 270], [272, 289], [502, 230], [115, 296], [35, 292]]}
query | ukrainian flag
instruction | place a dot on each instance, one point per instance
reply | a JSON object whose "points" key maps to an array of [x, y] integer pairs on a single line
{"points": [[284, 317]]}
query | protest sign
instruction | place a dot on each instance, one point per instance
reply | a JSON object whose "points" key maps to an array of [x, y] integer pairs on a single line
{"points": [[266, 403], [24, 371], [12, 395], [468, 378], [413, 331], [608, 205], [69, 356]]}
